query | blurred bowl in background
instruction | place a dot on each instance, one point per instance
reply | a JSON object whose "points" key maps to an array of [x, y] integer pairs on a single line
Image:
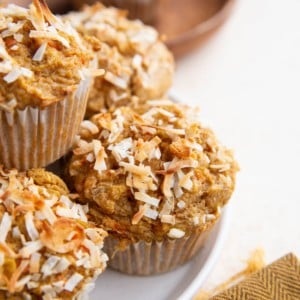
{"points": [[190, 23], [56, 6]]}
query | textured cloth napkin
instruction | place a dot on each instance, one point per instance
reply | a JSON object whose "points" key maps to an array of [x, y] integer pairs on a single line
{"points": [[278, 281]]}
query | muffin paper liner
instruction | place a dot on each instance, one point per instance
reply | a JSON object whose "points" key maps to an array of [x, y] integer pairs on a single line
{"points": [[35, 137], [149, 258]]}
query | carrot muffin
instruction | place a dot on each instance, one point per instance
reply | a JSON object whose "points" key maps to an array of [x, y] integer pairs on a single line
{"points": [[44, 84], [155, 179], [136, 61], [48, 249]]}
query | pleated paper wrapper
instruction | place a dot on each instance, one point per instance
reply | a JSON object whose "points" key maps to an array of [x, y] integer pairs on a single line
{"points": [[149, 258], [35, 137]]}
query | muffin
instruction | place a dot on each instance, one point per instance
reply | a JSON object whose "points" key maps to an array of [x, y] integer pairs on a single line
{"points": [[155, 179], [44, 85], [136, 61], [48, 249]]}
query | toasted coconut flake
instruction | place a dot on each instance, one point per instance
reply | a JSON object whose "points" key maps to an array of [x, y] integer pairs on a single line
{"points": [[90, 126], [85, 73], [196, 146], [165, 113], [48, 214], [49, 264], [121, 150], [5, 66], [13, 75], [168, 184], [18, 37], [30, 227], [181, 204], [61, 266], [209, 217], [55, 237], [115, 80], [20, 283], [39, 34], [172, 131], [65, 212], [137, 61], [100, 155], [138, 170], [151, 213], [53, 20], [168, 206], [73, 281], [39, 54], [9, 106], [5, 226], [7, 250], [11, 285], [178, 192], [196, 220], [148, 129], [176, 165], [83, 148], [14, 47], [96, 235], [117, 97], [169, 219], [30, 248], [175, 233], [139, 215], [32, 285], [94, 253], [36, 16], [186, 181], [34, 264], [14, 10], [141, 196]]}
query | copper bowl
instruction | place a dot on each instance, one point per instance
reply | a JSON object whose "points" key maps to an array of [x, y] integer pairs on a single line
{"points": [[57, 6], [190, 23]]}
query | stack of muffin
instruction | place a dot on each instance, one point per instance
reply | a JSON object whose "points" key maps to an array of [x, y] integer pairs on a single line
{"points": [[140, 168]]}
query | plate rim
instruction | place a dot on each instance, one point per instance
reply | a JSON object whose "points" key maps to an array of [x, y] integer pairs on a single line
{"points": [[212, 259]]}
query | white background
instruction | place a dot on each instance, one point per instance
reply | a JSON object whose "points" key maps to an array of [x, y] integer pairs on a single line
{"points": [[246, 80]]}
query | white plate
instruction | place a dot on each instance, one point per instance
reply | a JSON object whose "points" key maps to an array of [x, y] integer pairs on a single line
{"points": [[181, 284]]}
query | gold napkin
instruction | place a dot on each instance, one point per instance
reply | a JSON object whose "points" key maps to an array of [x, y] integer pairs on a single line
{"points": [[278, 281]]}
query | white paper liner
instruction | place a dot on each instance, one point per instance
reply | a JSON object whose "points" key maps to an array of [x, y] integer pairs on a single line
{"points": [[149, 258], [35, 137]]}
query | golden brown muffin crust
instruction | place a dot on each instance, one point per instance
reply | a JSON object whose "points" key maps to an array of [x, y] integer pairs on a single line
{"points": [[47, 245], [40, 57], [136, 61], [151, 172]]}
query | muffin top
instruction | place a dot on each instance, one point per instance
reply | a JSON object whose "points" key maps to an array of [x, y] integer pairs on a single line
{"points": [[41, 58], [136, 61], [151, 172], [48, 249]]}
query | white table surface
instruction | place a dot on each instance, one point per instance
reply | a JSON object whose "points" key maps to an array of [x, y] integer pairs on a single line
{"points": [[246, 80]]}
